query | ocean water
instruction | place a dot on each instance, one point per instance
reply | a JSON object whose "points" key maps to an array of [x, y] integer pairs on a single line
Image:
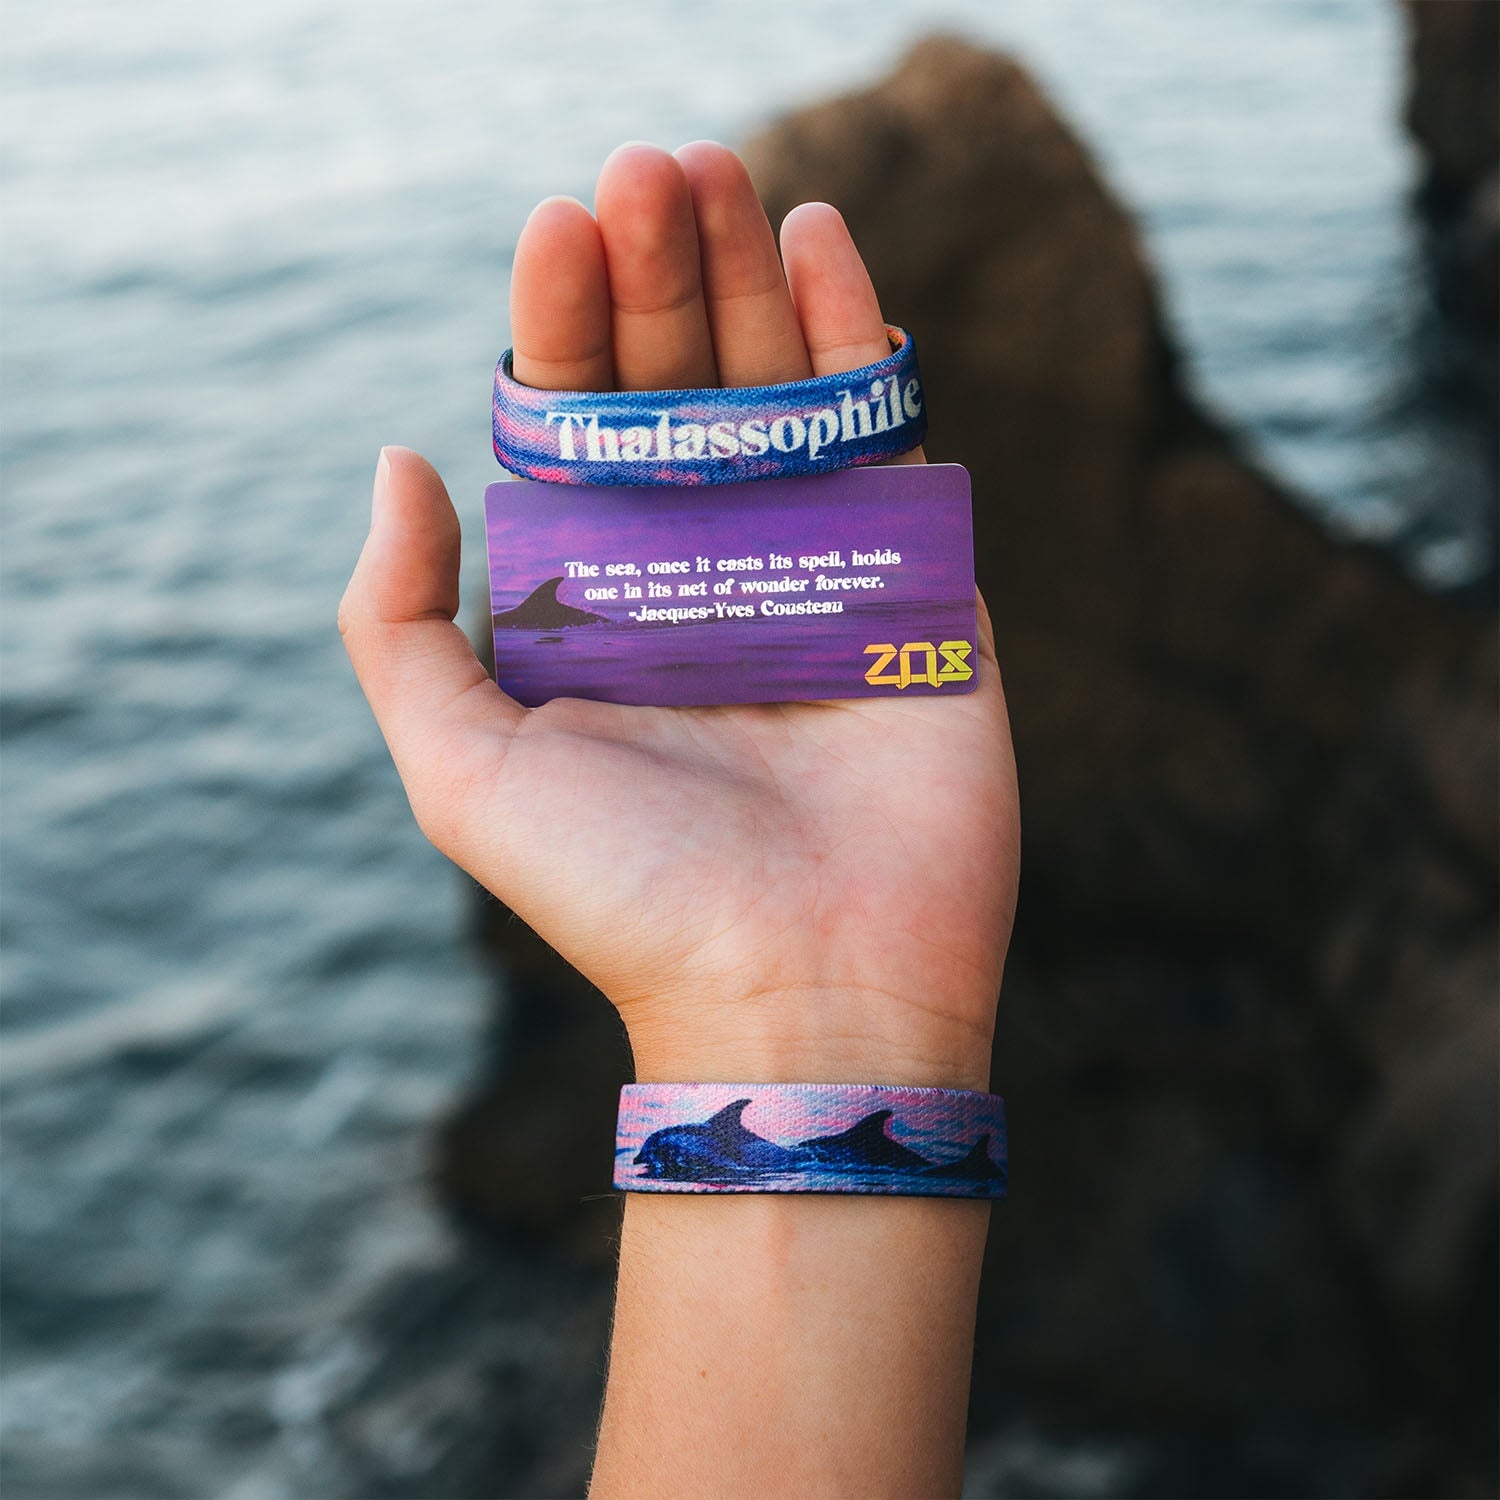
{"points": [[242, 247]]}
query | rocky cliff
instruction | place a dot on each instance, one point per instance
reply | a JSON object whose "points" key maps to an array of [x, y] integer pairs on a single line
{"points": [[1453, 114]]}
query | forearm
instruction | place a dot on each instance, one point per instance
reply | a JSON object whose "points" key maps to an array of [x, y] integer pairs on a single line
{"points": [[798, 1345], [791, 1345]]}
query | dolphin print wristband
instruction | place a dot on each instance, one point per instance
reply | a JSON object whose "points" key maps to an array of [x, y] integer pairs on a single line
{"points": [[809, 1138], [712, 436]]}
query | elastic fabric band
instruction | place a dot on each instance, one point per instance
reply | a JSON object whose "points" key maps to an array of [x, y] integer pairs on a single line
{"points": [[712, 436], [809, 1138]]}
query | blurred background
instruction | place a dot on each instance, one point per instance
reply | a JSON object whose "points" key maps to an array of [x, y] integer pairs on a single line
{"points": [[1226, 271]]}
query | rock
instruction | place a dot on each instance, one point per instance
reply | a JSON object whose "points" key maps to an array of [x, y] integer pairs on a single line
{"points": [[1254, 959], [1453, 91], [1243, 746], [1453, 114], [531, 1156]]}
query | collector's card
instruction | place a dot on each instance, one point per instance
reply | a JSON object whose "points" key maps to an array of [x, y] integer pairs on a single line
{"points": [[858, 584]]}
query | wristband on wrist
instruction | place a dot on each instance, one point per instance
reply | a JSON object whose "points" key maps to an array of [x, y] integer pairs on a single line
{"points": [[712, 436], [810, 1138]]}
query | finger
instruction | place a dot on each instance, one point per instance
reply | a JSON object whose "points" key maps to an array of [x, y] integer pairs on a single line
{"points": [[440, 713], [659, 323], [559, 301], [835, 301], [757, 339], [836, 304]]}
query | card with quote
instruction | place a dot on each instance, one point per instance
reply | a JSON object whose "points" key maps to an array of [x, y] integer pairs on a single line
{"points": [[857, 584]]}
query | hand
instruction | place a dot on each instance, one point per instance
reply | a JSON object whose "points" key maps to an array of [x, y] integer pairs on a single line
{"points": [[815, 891]]}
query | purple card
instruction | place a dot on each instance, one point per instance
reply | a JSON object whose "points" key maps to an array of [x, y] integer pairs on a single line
{"points": [[858, 584]]}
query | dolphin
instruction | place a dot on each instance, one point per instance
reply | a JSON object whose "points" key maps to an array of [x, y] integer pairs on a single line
{"points": [[976, 1165], [863, 1145], [719, 1146], [541, 609]]}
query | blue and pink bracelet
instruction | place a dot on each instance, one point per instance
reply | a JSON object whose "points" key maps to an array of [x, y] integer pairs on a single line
{"points": [[712, 435], [809, 1138]]}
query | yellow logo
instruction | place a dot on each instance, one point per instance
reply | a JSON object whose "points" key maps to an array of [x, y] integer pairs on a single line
{"points": [[917, 661]]}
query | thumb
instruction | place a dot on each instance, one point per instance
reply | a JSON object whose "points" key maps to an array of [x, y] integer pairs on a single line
{"points": [[435, 703]]}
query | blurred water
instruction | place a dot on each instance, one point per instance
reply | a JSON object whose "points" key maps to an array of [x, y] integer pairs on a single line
{"points": [[242, 247]]}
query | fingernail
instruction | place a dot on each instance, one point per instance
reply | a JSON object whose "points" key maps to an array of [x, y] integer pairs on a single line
{"points": [[555, 198], [382, 483], [625, 146]]}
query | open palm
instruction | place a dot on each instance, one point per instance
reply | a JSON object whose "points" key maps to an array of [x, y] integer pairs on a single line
{"points": [[759, 889]]}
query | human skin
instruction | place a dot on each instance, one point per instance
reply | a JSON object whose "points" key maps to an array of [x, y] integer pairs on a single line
{"points": [[817, 892]]}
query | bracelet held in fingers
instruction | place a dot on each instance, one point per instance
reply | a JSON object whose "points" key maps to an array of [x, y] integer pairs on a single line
{"points": [[712, 436]]}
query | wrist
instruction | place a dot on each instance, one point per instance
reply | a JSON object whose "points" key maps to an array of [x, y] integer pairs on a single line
{"points": [[812, 1036]]}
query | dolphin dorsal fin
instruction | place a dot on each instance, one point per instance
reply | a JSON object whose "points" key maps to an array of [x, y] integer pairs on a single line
{"points": [[871, 1128], [727, 1121], [980, 1150], [978, 1161]]}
